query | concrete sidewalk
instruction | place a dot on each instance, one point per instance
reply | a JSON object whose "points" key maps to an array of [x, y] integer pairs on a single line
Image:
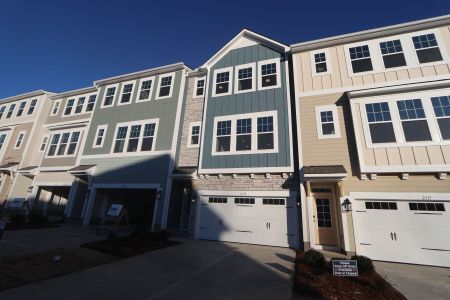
{"points": [[193, 270], [20, 242]]}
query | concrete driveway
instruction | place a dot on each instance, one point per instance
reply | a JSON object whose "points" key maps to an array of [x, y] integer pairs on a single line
{"points": [[417, 282], [193, 270]]}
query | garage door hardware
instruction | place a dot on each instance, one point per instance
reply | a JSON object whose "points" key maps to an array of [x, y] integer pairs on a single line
{"points": [[439, 214], [243, 231], [365, 244], [393, 236], [435, 249], [268, 225]]}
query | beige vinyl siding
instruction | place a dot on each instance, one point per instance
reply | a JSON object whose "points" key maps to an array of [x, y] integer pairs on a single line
{"points": [[15, 155], [56, 177], [305, 81]]}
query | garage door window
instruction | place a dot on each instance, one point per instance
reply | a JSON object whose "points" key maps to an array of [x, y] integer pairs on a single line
{"points": [[217, 200], [244, 200], [323, 213], [420, 206], [381, 205], [271, 201]]}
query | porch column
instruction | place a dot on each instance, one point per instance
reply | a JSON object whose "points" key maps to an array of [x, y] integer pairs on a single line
{"points": [[71, 199], [89, 207]]}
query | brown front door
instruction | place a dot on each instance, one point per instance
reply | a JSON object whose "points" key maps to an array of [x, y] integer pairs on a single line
{"points": [[324, 217]]}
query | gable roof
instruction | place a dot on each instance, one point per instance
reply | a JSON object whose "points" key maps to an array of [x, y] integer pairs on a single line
{"points": [[242, 39]]}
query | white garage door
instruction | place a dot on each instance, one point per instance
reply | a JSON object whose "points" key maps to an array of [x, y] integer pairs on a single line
{"points": [[415, 232], [253, 220]]}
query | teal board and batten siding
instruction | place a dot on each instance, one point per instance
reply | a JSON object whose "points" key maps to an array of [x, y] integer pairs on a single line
{"points": [[164, 109], [250, 102]]}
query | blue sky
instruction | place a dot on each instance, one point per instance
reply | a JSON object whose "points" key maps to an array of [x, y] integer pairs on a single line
{"points": [[64, 45]]}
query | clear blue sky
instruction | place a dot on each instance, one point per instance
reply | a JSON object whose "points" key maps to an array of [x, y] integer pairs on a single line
{"points": [[64, 45]]}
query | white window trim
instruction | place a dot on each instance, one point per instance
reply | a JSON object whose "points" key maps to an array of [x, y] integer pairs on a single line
{"points": [[152, 78], [12, 112], [105, 127], [327, 61], [254, 117], [337, 129], [236, 77], [230, 81], [104, 95], [265, 62], [23, 133], [425, 97], [70, 131], [83, 108], [133, 82], [172, 84], [129, 124], [4, 111], [57, 102], [408, 50], [87, 102], [73, 107], [29, 105], [194, 94], [192, 124], [42, 141], [24, 111]]}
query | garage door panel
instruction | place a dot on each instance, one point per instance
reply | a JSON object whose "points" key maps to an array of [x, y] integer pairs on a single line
{"points": [[248, 220], [403, 234]]}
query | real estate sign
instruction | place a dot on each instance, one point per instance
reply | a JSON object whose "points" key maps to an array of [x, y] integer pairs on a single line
{"points": [[114, 210], [346, 268]]}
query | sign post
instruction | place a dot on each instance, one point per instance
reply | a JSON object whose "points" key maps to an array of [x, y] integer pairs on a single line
{"points": [[345, 268]]}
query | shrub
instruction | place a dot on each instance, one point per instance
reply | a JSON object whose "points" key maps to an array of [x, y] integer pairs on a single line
{"points": [[330, 265], [365, 264], [163, 235], [140, 233], [17, 218], [314, 258]]}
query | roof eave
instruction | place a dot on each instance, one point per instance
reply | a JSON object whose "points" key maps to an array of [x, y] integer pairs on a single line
{"points": [[371, 34], [26, 95], [71, 93]]}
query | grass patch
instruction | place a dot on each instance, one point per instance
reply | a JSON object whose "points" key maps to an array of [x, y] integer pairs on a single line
{"points": [[319, 282]]}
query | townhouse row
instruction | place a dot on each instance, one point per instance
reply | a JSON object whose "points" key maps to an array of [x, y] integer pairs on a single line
{"points": [[341, 144]]}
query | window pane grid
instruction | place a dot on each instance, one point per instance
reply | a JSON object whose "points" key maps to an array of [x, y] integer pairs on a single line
{"points": [[166, 81], [378, 112], [265, 124], [223, 128], [391, 47], [269, 69], [359, 52], [410, 109], [319, 57], [245, 73], [421, 206], [326, 116], [244, 126], [223, 77], [441, 106], [425, 41]]}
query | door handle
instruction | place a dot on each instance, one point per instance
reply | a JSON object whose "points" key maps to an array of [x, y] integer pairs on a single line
{"points": [[395, 236]]}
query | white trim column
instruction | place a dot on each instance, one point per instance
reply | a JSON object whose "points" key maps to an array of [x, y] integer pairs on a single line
{"points": [[89, 207], [345, 229], [71, 198]]}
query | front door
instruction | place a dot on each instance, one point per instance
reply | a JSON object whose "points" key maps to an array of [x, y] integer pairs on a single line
{"points": [[324, 216]]}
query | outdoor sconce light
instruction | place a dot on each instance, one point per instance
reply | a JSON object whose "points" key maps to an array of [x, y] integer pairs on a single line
{"points": [[29, 189], [346, 205], [158, 194], [193, 200]]}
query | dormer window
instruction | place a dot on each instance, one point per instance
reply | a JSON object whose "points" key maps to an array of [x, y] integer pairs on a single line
{"points": [[427, 48], [360, 59], [392, 53]]}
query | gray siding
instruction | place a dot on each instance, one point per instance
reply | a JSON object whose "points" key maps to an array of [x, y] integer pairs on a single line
{"points": [[59, 116], [258, 101], [164, 109]]}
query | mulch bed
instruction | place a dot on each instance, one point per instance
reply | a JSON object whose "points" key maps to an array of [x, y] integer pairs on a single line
{"points": [[28, 225], [24, 269], [319, 282], [130, 245]]}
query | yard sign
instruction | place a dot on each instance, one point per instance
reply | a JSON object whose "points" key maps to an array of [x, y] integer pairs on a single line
{"points": [[345, 268]]}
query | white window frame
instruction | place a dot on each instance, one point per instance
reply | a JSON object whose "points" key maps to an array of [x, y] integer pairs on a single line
{"points": [[114, 97], [265, 62], [191, 125], [83, 107], [327, 61], [152, 78], [119, 101], [230, 81], [172, 85], [57, 106], [129, 124], [23, 110], [197, 79], [12, 111], [425, 97], [236, 77], [72, 109], [437, 118], [337, 129], [97, 131], [19, 140], [45, 138], [30, 105], [3, 110], [254, 134], [88, 96], [61, 132], [409, 51]]}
